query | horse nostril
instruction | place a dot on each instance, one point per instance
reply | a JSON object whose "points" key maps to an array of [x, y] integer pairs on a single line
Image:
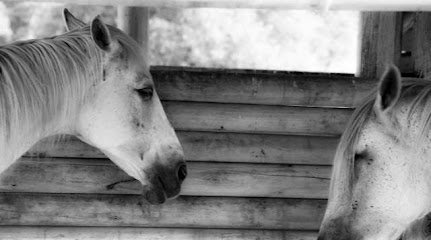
{"points": [[182, 172]]}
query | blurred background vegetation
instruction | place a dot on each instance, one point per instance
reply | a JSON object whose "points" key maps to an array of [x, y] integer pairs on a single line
{"points": [[222, 38]]}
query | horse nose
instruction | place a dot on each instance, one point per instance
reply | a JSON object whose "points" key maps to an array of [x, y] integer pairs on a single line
{"points": [[182, 172], [169, 178]]}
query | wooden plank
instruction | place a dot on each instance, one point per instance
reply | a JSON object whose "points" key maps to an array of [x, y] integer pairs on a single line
{"points": [[422, 44], [407, 63], [244, 118], [260, 87], [219, 147], [134, 22], [204, 179], [409, 20], [186, 212], [381, 42], [358, 5], [118, 233]]}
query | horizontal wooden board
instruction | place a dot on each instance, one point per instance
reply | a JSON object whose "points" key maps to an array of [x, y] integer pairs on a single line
{"points": [[357, 5], [260, 87], [132, 210], [204, 179], [219, 147], [245, 118], [126, 233]]}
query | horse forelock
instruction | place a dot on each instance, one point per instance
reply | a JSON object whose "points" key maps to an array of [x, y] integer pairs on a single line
{"points": [[343, 161]]}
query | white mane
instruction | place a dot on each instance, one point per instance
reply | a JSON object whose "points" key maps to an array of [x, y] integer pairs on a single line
{"points": [[41, 81]]}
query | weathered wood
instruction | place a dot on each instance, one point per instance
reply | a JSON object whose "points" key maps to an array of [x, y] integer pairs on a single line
{"points": [[256, 119], [381, 42], [117, 233], [133, 211], [422, 44], [260, 87], [407, 63], [134, 22], [204, 179], [358, 5], [219, 147]]}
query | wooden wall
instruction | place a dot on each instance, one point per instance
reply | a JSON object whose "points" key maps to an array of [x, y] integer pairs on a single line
{"points": [[259, 145]]}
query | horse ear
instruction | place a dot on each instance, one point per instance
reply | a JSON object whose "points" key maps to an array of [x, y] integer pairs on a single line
{"points": [[100, 34], [71, 21], [389, 89]]}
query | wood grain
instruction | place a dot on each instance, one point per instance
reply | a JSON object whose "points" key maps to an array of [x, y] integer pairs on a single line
{"points": [[219, 147], [204, 179], [381, 42], [244, 118], [134, 22], [260, 87], [117, 233], [407, 63], [186, 212], [421, 45]]}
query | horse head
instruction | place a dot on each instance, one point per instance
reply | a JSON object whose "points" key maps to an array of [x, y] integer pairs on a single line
{"points": [[380, 182], [122, 114]]}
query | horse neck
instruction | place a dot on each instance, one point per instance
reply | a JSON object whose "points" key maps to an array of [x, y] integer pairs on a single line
{"points": [[12, 149], [60, 120]]}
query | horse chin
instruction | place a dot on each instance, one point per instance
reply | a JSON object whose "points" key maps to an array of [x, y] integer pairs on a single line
{"points": [[156, 192], [155, 196]]}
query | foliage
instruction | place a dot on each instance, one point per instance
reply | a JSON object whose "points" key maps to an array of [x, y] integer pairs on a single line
{"points": [[225, 38]]}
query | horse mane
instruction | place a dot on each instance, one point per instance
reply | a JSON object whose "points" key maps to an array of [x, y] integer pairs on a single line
{"points": [[42, 80], [418, 92]]}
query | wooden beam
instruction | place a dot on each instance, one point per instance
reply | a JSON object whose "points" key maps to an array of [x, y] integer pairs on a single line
{"points": [[219, 147], [244, 118], [184, 212], [358, 5], [110, 233], [204, 179], [134, 22], [421, 53], [381, 42], [407, 63], [261, 87]]}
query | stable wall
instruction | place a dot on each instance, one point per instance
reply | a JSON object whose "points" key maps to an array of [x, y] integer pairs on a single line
{"points": [[259, 146]]}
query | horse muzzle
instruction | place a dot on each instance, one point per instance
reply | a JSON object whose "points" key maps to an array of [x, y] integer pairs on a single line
{"points": [[165, 182]]}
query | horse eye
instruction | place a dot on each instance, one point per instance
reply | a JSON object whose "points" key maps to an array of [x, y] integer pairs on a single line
{"points": [[357, 163], [358, 156], [145, 93]]}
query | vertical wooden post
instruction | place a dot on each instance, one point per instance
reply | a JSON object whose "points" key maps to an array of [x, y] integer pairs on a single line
{"points": [[381, 42], [407, 65], [134, 21], [421, 52]]}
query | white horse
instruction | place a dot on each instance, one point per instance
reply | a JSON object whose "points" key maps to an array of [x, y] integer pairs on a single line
{"points": [[91, 82], [381, 181]]}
